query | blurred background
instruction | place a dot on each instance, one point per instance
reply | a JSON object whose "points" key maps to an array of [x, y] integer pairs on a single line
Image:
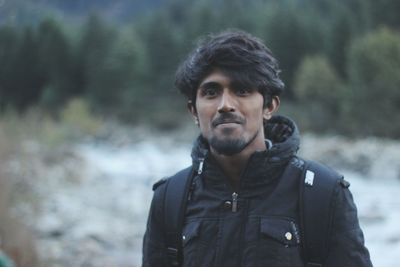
{"points": [[89, 117]]}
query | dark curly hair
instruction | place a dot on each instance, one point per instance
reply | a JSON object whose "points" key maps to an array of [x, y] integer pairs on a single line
{"points": [[243, 57]]}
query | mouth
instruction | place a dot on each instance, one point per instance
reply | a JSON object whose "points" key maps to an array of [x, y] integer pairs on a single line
{"points": [[226, 123], [219, 122], [228, 119]]}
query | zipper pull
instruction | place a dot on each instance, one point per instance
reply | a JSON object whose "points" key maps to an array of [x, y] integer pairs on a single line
{"points": [[200, 169], [234, 202]]}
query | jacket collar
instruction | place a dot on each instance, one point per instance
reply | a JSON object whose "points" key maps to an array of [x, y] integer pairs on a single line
{"points": [[263, 166]]}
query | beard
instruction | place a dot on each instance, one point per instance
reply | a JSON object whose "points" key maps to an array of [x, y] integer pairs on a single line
{"points": [[229, 146]]}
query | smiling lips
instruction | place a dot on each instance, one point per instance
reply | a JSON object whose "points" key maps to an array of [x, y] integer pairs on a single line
{"points": [[228, 122], [227, 119]]}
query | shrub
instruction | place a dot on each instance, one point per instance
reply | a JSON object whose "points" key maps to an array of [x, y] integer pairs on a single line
{"points": [[374, 79], [319, 91], [78, 120]]}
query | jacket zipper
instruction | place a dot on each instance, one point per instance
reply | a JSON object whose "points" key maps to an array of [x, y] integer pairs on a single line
{"points": [[234, 201], [200, 169], [235, 195]]}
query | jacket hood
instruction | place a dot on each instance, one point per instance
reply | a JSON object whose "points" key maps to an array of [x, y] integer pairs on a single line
{"points": [[284, 135], [263, 167], [281, 135]]}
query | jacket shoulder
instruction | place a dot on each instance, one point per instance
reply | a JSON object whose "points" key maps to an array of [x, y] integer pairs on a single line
{"points": [[179, 175], [327, 172], [159, 183], [323, 168]]}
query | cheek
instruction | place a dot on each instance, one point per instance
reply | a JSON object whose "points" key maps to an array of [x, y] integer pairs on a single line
{"points": [[257, 108], [204, 114], [204, 122], [256, 121]]}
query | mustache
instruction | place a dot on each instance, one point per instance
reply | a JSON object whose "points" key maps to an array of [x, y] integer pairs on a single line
{"points": [[227, 118]]}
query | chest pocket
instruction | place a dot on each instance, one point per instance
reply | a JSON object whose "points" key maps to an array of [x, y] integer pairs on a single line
{"points": [[198, 242], [279, 243]]}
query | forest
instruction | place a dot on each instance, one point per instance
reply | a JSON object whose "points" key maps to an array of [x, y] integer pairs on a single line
{"points": [[340, 60]]}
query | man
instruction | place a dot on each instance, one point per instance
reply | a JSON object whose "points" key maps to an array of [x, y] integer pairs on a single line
{"points": [[242, 209]]}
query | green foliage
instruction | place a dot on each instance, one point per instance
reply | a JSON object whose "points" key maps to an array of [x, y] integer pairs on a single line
{"points": [[54, 63], [385, 12], [95, 47], [338, 40], [8, 51], [374, 77], [319, 90], [291, 36], [24, 80], [317, 81], [128, 71], [129, 68], [162, 50], [36, 66]]}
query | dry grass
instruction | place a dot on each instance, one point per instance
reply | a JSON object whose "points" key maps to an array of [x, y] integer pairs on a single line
{"points": [[27, 144], [15, 237]]}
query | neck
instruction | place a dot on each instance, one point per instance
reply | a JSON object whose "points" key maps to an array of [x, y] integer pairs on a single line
{"points": [[233, 166]]}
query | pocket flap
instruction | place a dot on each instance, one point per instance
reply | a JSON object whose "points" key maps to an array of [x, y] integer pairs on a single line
{"points": [[281, 230], [190, 231]]}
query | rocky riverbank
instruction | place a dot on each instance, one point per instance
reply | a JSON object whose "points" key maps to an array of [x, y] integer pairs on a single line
{"points": [[96, 199]]}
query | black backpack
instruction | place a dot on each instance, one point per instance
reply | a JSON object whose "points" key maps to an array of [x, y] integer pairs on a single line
{"points": [[317, 186]]}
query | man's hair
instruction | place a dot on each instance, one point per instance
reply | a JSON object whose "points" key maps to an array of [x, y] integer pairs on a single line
{"points": [[241, 56]]}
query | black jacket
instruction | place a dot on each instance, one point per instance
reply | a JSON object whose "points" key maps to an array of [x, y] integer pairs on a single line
{"points": [[249, 227]]}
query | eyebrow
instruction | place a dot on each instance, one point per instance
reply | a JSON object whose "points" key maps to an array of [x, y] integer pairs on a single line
{"points": [[209, 84]]}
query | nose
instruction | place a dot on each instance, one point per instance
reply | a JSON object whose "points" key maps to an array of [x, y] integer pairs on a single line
{"points": [[226, 104]]}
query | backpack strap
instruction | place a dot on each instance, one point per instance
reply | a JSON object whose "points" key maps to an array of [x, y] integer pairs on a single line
{"points": [[176, 194], [317, 188]]}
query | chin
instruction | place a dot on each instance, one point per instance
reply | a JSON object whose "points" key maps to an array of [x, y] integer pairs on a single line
{"points": [[227, 145], [229, 132]]}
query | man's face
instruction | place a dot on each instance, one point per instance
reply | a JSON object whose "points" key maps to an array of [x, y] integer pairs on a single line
{"points": [[230, 117]]}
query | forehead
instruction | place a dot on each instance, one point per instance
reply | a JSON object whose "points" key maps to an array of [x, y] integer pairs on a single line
{"points": [[233, 78], [216, 76]]}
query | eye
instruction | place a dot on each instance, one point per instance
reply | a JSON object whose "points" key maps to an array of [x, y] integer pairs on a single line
{"points": [[243, 91], [210, 91]]}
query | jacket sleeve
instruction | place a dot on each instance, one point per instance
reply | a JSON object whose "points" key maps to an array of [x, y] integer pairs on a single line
{"points": [[154, 248], [347, 243]]}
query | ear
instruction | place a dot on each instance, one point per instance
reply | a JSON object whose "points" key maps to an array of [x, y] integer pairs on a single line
{"points": [[272, 108], [192, 110]]}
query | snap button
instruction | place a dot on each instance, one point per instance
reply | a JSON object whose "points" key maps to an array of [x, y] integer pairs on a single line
{"points": [[228, 204], [183, 238], [288, 236]]}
